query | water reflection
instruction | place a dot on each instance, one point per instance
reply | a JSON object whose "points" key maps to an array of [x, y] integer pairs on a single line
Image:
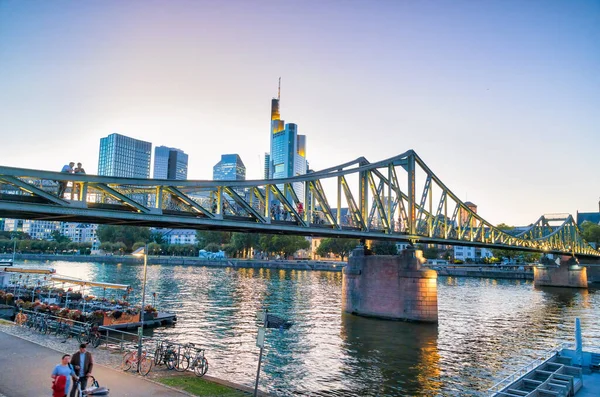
{"points": [[487, 329], [390, 357]]}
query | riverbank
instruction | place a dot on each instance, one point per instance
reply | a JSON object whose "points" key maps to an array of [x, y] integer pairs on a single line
{"points": [[188, 261], [16, 340], [482, 272]]}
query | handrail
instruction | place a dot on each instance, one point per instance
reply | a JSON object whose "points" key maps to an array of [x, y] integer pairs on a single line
{"points": [[498, 387]]}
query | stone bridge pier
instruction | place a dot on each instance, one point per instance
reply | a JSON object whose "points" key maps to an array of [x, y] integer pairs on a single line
{"points": [[390, 287], [562, 272]]}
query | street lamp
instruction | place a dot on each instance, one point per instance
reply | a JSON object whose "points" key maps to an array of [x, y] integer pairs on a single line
{"points": [[142, 251]]}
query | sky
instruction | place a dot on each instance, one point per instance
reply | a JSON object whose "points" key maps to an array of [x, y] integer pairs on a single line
{"points": [[501, 99]]}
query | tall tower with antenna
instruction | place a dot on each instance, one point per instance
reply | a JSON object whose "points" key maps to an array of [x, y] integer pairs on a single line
{"points": [[287, 157]]}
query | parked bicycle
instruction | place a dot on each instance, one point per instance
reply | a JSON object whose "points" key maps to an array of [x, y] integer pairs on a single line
{"points": [[132, 358], [90, 334], [165, 353]]}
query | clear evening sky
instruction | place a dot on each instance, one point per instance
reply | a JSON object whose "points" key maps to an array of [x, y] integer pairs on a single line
{"points": [[500, 98]]}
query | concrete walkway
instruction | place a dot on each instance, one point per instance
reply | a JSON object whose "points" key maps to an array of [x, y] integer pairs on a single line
{"points": [[26, 367]]}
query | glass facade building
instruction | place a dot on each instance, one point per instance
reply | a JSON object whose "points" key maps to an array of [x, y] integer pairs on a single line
{"points": [[170, 163], [288, 150], [230, 168], [123, 156]]}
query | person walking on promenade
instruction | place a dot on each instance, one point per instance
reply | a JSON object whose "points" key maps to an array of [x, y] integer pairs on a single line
{"points": [[83, 363], [62, 374], [62, 185]]}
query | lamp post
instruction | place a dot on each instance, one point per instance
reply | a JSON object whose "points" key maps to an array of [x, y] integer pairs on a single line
{"points": [[139, 252]]}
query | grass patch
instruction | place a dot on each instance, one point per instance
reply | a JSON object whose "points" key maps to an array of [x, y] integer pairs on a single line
{"points": [[6, 322], [200, 387]]}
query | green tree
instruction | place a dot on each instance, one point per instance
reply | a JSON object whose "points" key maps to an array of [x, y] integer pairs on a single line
{"points": [[213, 247], [384, 248], [590, 232], [337, 246], [505, 227], [241, 244], [283, 245], [431, 253], [59, 238], [128, 235], [206, 237]]}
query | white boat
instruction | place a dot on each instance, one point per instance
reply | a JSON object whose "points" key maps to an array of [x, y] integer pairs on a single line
{"points": [[566, 370]]}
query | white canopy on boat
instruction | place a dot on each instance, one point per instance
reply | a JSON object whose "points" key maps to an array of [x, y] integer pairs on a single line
{"points": [[77, 281], [32, 270]]}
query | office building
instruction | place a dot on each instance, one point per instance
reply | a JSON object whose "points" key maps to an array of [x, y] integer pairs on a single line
{"points": [[230, 168], [123, 156], [267, 167], [170, 163], [288, 149], [80, 232]]}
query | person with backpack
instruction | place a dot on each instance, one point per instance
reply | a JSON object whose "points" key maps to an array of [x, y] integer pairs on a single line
{"points": [[61, 376]]}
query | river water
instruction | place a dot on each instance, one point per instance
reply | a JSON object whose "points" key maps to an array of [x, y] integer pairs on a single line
{"points": [[487, 329]]}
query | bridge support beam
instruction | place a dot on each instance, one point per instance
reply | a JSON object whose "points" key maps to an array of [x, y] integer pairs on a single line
{"points": [[566, 273], [390, 287]]}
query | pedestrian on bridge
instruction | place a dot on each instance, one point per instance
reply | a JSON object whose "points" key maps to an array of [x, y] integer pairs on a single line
{"points": [[62, 185]]}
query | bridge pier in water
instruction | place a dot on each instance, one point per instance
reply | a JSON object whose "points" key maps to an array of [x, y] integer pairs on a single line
{"points": [[569, 273], [390, 287]]}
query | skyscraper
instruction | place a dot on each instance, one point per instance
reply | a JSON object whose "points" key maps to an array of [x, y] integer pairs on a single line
{"points": [[170, 163], [288, 149], [230, 168], [123, 156]]}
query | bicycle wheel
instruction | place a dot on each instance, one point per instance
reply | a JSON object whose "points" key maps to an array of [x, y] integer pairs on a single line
{"points": [[158, 356], [170, 359], [128, 360], [183, 362], [95, 340], [201, 367], [146, 365]]}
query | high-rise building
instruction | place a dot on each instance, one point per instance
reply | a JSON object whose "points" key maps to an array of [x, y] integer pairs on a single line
{"points": [[267, 169], [123, 156], [230, 168], [170, 163], [288, 149]]}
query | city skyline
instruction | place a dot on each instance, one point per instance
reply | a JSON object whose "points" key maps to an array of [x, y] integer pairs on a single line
{"points": [[499, 99]]}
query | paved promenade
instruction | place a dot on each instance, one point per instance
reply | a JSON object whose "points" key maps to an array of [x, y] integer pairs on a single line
{"points": [[26, 369]]}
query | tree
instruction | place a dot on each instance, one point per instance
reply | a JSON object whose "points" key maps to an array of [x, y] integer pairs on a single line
{"points": [[505, 227], [213, 247], [384, 248], [206, 237], [431, 253], [241, 244], [590, 232], [337, 246], [59, 238], [282, 245], [127, 235]]}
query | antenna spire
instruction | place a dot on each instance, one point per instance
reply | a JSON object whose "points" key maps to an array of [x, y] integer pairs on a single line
{"points": [[279, 90]]}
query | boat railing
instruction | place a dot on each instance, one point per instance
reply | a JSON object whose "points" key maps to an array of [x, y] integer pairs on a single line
{"points": [[494, 390]]}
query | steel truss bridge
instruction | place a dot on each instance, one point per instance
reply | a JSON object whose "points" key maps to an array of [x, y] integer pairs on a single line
{"points": [[398, 199]]}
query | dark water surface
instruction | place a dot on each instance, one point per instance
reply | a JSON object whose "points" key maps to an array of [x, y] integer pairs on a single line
{"points": [[487, 329]]}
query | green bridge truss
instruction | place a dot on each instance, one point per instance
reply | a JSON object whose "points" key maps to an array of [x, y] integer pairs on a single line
{"points": [[398, 199]]}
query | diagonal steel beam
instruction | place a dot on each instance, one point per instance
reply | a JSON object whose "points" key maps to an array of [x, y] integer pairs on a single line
{"points": [[33, 190], [317, 190], [352, 204], [188, 200], [287, 204], [239, 200], [121, 197]]}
